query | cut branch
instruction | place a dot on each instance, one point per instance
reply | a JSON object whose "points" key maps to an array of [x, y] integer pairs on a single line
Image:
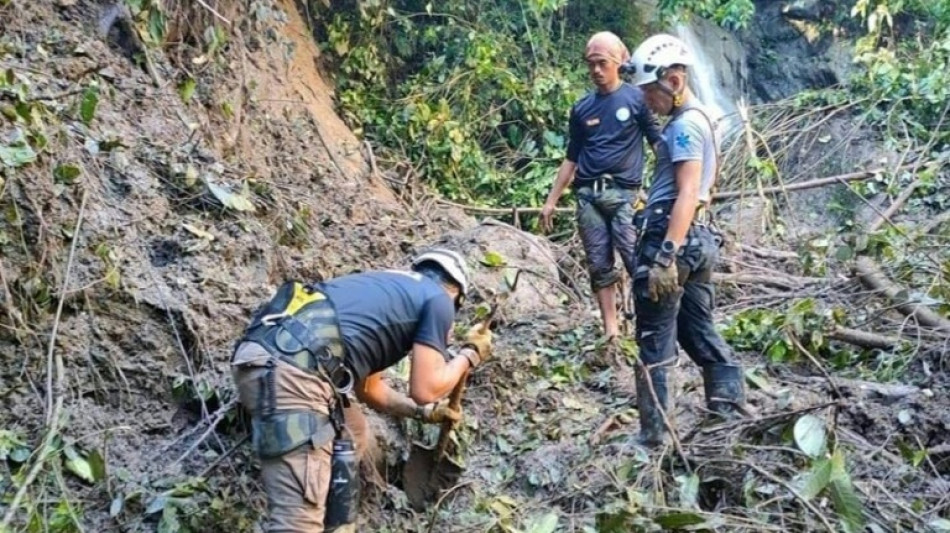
{"points": [[811, 184], [864, 339], [894, 207], [781, 282], [872, 276], [765, 253], [719, 196]]}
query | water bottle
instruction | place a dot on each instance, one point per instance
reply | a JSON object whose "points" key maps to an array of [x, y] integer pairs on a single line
{"points": [[343, 499]]}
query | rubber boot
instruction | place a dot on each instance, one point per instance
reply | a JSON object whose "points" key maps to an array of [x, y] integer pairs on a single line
{"points": [[725, 390], [652, 427]]}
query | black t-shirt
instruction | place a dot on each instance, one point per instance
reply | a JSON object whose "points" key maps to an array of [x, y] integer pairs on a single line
{"points": [[382, 314], [606, 136]]}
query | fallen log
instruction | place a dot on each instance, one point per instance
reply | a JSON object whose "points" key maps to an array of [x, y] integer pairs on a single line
{"points": [[894, 207], [872, 277], [864, 339], [771, 280], [766, 254], [722, 195], [811, 184]]}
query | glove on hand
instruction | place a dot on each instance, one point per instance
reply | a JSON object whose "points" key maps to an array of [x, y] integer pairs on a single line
{"points": [[479, 339], [438, 412], [663, 281]]}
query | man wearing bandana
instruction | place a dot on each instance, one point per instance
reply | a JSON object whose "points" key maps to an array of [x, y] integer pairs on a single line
{"points": [[604, 167]]}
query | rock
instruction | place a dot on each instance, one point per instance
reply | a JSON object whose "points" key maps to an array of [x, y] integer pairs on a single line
{"points": [[538, 289]]}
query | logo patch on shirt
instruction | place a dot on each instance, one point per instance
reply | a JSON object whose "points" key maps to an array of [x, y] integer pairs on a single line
{"points": [[623, 114], [682, 140], [592, 121]]}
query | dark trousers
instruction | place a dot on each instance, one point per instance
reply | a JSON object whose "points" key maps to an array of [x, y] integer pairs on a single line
{"points": [[685, 316]]}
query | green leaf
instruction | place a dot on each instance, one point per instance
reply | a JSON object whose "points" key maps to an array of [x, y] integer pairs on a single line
{"points": [[493, 259], [238, 202], [88, 104], [689, 490], [156, 25], [20, 454], [940, 524], [17, 156], [543, 524], [187, 89], [97, 464], [816, 479], [678, 520], [157, 504], [809, 435], [66, 174], [78, 465], [845, 498]]}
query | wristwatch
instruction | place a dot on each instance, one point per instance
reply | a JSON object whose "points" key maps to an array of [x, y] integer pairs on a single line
{"points": [[666, 255]]}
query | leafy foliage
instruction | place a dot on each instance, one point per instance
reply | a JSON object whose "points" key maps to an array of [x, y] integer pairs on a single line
{"points": [[729, 13], [906, 58], [475, 97]]}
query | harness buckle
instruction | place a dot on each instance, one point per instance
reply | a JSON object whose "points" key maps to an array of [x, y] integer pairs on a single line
{"points": [[270, 320]]}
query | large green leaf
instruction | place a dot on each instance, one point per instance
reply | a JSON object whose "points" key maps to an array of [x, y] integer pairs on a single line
{"points": [[809, 435], [88, 104], [845, 498], [689, 490], [678, 520], [816, 479], [493, 259]]}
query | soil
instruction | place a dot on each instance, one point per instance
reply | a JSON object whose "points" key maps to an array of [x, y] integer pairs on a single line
{"points": [[164, 276]]}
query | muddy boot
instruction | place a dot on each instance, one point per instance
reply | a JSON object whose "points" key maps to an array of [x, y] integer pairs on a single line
{"points": [[725, 391], [652, 428]]}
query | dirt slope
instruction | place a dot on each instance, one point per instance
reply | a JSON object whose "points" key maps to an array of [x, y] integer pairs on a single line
{"points": [[164, 276]]}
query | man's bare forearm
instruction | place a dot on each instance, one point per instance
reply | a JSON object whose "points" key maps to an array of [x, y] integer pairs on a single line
{"points": [[565, 175]]}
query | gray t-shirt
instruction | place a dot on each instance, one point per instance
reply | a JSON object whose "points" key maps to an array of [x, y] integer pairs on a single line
{"points": [[686, 137]]}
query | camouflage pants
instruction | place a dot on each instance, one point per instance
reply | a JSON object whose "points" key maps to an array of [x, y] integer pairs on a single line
{"points": [[605, 223], [296, 483]]}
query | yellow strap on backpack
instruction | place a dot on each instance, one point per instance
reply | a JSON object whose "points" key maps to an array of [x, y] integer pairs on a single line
{"points": [[302, 297]]}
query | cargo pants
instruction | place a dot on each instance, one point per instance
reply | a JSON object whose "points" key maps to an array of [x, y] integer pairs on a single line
{"points": [[296, 483], [605, 221], [685, 316]]}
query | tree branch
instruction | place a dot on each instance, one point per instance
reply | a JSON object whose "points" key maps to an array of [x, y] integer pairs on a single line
{"points": [[871, 275]]}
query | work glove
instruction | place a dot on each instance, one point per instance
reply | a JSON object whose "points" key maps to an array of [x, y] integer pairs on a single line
{"points": [[479, 339], [438, 412], [663, 281]]}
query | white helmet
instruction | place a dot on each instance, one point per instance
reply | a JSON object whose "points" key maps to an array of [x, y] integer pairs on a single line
{"points": [[450, 262], [655, 55]]}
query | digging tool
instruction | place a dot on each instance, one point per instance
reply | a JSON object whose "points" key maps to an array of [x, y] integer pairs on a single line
{"points": [[429, 470]]}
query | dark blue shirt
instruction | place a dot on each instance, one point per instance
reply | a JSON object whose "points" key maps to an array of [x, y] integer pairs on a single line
{"points": [[382, 314], [606, 136]]}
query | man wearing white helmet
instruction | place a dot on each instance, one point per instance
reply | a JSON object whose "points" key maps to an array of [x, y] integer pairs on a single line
{"points": [[604, 165], [677, 250], [310, 345]]}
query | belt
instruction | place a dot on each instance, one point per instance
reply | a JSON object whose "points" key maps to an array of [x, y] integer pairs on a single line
{"points": [[701, 217], [604, 182]]}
